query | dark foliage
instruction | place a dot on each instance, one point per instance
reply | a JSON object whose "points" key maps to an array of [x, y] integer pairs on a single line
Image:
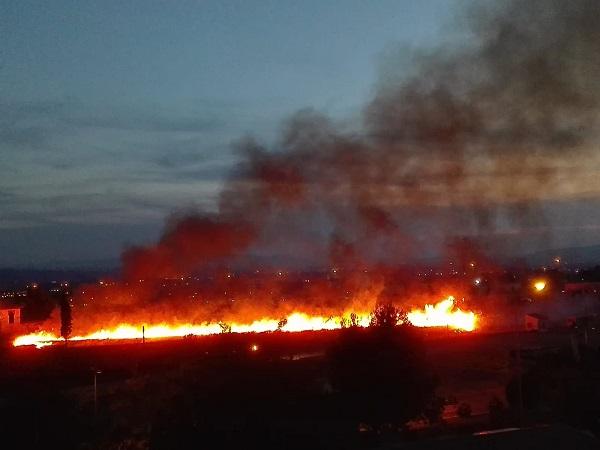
{"points": [[37, 417], [464, 410], [66, 318], [499, 415], [37, 305], [380, 374], [387, 315], [559, 384]]}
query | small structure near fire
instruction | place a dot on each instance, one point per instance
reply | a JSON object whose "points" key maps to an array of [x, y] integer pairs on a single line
{"points": [[10, 318], [536, 322]]}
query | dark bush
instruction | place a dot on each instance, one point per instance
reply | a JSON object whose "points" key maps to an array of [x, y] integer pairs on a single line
{"points": [[381, 375], [464, 410]]}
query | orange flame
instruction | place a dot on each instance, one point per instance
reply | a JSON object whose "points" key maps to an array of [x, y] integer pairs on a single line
{"points": [[433, 315], [294, 322], [443, 314]]}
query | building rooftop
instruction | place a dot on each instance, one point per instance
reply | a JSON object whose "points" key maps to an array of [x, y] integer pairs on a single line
{"points": [[10, 304]]}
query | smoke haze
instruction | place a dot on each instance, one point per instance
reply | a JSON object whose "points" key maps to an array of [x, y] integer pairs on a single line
{"points": [[469, 144]]}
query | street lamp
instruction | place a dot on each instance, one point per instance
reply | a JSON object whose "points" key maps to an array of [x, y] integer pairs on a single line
{"points": [[539, 285]]}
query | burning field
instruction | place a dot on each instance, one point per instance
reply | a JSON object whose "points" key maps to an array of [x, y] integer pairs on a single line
{"points": [[442, 314], [446, 160], [293, 302]]}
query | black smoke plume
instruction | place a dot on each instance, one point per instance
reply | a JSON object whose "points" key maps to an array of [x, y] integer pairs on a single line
{"points": [[469, 140]]}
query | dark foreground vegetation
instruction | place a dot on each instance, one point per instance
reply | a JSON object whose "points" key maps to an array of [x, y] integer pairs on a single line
{"points": [[352, 388]]}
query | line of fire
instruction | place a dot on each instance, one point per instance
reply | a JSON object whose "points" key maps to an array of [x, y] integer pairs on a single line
{"points": [[215, 234], [452, 298]]}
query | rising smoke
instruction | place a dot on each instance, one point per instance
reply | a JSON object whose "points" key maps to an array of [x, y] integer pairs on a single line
{"points": [[470, 141]]}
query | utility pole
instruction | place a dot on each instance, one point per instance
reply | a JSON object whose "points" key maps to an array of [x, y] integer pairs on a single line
{"points": [[96, 373], [516, 300], [519, 376]]}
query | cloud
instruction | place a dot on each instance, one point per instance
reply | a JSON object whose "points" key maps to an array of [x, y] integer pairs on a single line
{"points": [[65, 161], [27, 124], [37, 124], [147, 120]]}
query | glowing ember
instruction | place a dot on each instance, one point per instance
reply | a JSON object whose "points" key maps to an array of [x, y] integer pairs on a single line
{"points": [[438, 315], [443, 314]]}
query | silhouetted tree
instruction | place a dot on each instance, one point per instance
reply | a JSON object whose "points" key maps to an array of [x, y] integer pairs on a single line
{"points": [[497, 412], [37, 305], [282, 323], [66, 319], [464, 410], [558, 383], [225, 327], [387, 315], [379, 373]]}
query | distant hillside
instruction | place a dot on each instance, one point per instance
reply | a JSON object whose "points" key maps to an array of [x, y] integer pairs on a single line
{"points": [[18, 278], [585, 256]]}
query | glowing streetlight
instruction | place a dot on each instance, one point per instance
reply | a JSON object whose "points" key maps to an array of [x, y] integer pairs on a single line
{"points": [[539, 285]]}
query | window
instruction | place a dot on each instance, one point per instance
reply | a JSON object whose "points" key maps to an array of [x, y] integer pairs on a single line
{"points": [[11, 317]]}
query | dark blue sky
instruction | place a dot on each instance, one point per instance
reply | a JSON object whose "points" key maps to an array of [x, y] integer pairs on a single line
{"points": [[115, 114]]}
